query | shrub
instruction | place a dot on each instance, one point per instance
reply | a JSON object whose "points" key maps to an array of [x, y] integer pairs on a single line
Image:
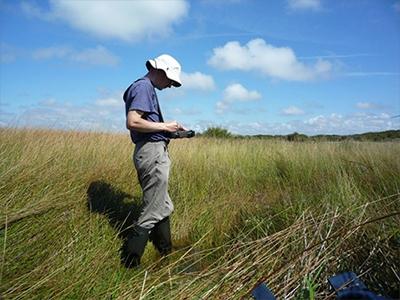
{"points": [[217, 132]]}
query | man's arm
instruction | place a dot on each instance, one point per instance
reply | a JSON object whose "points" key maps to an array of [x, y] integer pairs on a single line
{"points": [[134, 121]]}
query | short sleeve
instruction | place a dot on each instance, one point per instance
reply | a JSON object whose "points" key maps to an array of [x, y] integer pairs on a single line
{"points": [[140, 97]]}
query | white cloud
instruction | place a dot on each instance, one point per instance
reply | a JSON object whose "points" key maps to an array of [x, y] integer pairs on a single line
{"points": [[105, 114], [365, 105], [221, 106], [356, 123], [292, 111], [124, 20], [92, 56], [321, 124], [182, 112], [48, 102], [197, 81], [304, 4], [96, 56], [276, 62], [110, 102], [52, 52], [191, 82], [235, 93]]}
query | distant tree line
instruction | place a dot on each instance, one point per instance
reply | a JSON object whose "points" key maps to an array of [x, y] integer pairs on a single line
{"points": [[389, 135], [217, 132]]}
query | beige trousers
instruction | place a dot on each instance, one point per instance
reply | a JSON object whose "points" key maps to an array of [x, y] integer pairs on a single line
{"points": [[152, 164]]}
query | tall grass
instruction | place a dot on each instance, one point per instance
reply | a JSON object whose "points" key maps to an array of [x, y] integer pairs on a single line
{"points": [[289, 214]]}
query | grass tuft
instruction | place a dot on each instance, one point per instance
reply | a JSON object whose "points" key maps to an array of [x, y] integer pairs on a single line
{"points": [[289, 214]]}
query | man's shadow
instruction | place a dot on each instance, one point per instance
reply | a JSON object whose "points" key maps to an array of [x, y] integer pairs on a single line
{"points": [[117, 205]]}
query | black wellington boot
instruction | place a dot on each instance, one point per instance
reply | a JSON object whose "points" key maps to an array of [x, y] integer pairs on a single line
{"points": [[134, 246], [161, 237]]}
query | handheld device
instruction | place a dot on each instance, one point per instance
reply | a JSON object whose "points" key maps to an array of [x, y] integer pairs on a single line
{"points": [[182, 134]]}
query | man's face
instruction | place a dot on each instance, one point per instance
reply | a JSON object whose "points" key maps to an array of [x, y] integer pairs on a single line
{"points": [[163, 81]]}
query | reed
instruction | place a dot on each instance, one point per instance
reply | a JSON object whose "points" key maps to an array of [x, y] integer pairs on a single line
{"points": [[287, 213]]}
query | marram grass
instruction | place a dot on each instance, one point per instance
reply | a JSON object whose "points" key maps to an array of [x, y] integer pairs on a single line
{"points": [[289, 214]]}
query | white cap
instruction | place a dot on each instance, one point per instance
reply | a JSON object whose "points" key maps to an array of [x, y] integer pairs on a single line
{"points": [[170, 65]]}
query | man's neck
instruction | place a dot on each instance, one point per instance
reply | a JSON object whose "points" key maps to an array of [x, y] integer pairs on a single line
{"points": [[151, 76]]}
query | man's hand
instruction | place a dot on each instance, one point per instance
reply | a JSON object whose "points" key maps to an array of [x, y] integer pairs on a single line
{"points": [[135, 121], [173, 126]]}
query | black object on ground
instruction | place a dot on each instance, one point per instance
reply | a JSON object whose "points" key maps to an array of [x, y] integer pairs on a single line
{"points": [[348, 286], [262, 292]]}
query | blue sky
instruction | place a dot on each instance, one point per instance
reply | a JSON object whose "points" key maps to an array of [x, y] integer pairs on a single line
{"points": [[251, 66]]}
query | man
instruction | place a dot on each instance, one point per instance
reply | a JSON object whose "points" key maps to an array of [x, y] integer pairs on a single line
{"points": [[150, 134]]}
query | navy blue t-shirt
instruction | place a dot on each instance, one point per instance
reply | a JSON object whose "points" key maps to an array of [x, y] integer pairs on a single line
{"points": [[142, 96]]}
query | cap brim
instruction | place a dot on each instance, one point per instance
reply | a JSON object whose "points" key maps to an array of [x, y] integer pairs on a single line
{"points": [[176, 81], [150, 64]]}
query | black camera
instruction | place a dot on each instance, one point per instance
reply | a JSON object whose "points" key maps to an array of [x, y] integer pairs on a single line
{"points": [[182, 134]]}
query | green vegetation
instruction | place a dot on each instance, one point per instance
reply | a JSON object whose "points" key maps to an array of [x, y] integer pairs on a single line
{"points": [[217, 132], [389, 135], [291, 214]]}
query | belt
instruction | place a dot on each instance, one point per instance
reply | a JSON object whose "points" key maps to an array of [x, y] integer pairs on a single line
{"points": [[141, 143]]}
